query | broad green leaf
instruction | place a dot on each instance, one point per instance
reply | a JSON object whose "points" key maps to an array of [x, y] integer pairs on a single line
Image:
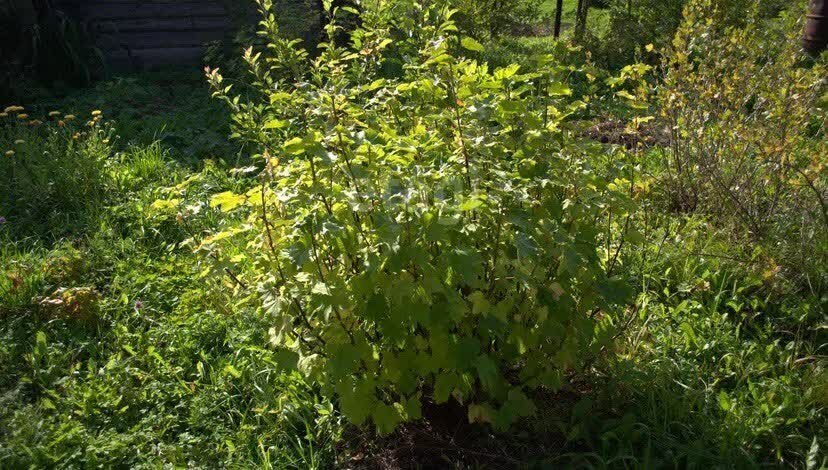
{"points": [[470, 204], [165, 205], [357, 402], [487, 372], [472, 45], [227, 201], [386, 418], [294, 146], [480, 413], [276, 124], [558, 89], [444, 384]]}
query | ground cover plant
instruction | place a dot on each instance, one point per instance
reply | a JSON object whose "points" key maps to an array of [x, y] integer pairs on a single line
{"points": [[446, 250]]}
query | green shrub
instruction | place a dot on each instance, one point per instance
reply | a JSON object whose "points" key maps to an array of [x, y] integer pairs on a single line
{"points": [[52, 174], [635, 24], [748, 140], [495, 18], [420, 238], [632, 25]]}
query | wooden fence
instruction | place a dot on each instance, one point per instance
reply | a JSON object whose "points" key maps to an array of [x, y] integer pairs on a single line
{"points": [[150, 33]]}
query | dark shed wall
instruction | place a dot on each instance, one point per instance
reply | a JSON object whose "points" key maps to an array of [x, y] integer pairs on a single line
{"points": [[151, 33]]}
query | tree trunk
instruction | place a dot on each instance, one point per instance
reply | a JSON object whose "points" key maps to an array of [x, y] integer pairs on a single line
{"points": [[816, 28], [581, 18], [558, 15]]}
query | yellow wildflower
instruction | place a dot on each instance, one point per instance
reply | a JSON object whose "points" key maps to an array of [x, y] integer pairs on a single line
{"points": [[4, 114], [13, 109], [23, 116], [54, 113], [10, 153], [96, 113], [19, 142], [69, 117], [61, 123], [35, 122]]}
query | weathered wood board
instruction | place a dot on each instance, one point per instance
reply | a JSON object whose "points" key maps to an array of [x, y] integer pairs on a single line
{"points": [[142, 34]]}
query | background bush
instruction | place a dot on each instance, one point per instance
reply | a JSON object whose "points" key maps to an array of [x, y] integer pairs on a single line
{"points": [[748, 139]]}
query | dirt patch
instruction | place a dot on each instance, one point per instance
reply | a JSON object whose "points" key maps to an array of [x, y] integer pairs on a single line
{"points": [[444, 438]]}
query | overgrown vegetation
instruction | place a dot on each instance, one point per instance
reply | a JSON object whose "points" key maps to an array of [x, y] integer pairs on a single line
{"points": [[406, 257]]}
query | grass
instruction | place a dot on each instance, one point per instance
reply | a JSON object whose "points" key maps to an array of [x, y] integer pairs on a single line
{"points": [[158, 368], [151, 360]]}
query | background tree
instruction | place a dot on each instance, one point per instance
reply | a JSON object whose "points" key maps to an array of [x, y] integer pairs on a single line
{"points": [[581, 15], [558, 15]]}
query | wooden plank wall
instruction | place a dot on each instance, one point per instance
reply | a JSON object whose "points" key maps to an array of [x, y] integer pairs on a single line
{"points": [[144, 34]]}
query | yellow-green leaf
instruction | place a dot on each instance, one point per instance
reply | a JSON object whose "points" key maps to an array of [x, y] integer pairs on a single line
{"points": [[227, 201], [471, 44]]}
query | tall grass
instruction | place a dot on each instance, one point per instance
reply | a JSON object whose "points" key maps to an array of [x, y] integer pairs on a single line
{"points": [[53, 171]]}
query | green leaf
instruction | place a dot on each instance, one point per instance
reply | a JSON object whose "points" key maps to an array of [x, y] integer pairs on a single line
{"points": [[386, 418], [320, 288], [520, 403], [276, 124], [558, 89], [40, 344], [480, 305], [357, 400], [472, 45], [487, 372], [232, 371], [227, 201], [480, 413], [444, 384], [412, 407], [294, 146], [812, 460], [724, 401], [470, 204], [376, 308], [506, 72], [615, 291], [165, 205]]}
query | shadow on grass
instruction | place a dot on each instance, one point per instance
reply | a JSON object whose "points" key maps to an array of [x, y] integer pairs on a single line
{"points": [[633, 416]]}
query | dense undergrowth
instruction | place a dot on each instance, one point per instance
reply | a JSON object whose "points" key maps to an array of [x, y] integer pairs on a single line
{"points": [[127, 342]]}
